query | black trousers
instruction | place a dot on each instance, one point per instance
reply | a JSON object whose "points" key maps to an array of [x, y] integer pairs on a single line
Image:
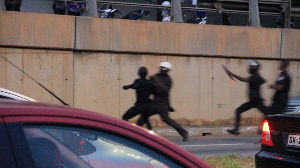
{"points": [[11, 7], [278, 105], [161, 109], [253, 103], [136, 110]]}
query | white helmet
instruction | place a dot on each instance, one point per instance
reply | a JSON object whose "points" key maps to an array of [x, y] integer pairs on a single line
{"points": [[253, 64], [166, 4], [167, 65]]}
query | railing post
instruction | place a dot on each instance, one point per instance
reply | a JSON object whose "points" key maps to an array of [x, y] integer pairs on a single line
{"points": [[287, 15], [176, 11], [92, 8], [254, 19]]}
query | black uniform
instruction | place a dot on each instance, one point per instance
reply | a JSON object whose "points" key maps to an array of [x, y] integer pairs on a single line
{"points": [[144, 88], [161, 104], [280, 97], [256, 101]]}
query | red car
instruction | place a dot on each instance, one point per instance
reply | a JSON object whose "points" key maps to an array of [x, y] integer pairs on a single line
{"points": [[50, 136]]}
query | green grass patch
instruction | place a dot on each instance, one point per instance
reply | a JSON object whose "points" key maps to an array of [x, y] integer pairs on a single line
{"points": [[231, 161]]}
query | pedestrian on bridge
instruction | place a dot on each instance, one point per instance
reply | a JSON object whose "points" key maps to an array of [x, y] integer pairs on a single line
{"points": [[13, 5]]}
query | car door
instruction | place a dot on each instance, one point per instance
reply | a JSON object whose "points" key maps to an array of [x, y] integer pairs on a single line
{"points": [[74, 142], [6, 155]]}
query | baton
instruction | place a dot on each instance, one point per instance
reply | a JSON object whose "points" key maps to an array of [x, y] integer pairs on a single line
{"points": [[230, 76], [232, 79]]}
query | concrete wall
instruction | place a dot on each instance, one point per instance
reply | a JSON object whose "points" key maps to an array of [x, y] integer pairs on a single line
{"points": [[86, 61], [53, 69], [34, 30], [173, 38]]}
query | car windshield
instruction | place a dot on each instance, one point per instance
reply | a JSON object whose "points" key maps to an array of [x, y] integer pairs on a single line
{"points": [[293, 114], [88, 148]]}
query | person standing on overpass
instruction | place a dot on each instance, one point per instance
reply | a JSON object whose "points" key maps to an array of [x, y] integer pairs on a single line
{"points": [[255, 99], [13, 5]]}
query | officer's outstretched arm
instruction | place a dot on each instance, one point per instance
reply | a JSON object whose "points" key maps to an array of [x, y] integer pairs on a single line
{"points": [[240, 78], [125, 87], [135, 85]]}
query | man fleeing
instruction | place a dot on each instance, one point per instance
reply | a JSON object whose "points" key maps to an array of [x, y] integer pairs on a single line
{"points": [[144, 88], [281, 87], [161, 102], [255, 99]]}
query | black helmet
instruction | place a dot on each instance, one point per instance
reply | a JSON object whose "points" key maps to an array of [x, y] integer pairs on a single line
{"points": [[142, 72]]}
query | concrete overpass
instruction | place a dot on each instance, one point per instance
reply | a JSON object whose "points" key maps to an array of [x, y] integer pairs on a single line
{"points": [[85, 61]]}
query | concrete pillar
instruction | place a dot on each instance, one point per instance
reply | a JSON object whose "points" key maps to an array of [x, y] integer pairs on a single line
{"points": [[254, 19], [176, 11], [287, 15], [92, 8]]}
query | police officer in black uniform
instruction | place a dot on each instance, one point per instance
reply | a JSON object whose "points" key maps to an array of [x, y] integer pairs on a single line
{"points": [[144, 88], [255, 99], [161, 103], [282, 88]]}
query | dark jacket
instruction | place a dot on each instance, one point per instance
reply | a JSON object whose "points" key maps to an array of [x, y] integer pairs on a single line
{"points": [[255, 80], [162, 95], [144, 88], [285, 80]]}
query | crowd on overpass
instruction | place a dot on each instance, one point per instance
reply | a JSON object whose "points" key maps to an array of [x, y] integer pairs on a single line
{"points": [[78, 8]]}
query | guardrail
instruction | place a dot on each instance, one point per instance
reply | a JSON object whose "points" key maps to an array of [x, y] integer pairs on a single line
{"points": [[266, 7]]}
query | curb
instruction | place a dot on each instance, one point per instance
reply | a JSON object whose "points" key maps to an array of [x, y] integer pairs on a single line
{"points": [[206, 130]]}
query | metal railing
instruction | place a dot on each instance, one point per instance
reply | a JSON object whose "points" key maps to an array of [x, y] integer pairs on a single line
{"points": [[210, 7]]}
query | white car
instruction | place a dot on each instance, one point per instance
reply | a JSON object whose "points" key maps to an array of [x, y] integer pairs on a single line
{"points": [[5, 93]]}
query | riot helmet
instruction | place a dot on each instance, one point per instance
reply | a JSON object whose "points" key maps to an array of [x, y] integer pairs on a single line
{"points": [[254, 66]]}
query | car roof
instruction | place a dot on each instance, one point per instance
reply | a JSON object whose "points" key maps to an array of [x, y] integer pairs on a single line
{"points": [[10, 107]]}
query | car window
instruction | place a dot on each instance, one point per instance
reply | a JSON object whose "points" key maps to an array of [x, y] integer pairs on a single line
{"points": [[79, 147]]}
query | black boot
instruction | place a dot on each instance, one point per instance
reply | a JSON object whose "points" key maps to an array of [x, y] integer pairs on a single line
{"points": [[233, 131], [185, 136]]}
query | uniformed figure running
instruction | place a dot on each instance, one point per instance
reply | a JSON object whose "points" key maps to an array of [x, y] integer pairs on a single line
{"points": [[281, 87], [161, 103], [255, 99], [144, 88]]}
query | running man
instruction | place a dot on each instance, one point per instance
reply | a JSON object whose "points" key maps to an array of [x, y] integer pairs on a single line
{"points": [[255, 99], [144, 88], [161, 103]]}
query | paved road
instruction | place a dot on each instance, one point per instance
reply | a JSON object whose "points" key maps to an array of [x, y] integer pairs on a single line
{"points": [[206, 146]]}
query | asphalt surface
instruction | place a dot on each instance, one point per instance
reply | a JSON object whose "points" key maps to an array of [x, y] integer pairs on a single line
{"points": [[207, 146], [212, 130]]}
